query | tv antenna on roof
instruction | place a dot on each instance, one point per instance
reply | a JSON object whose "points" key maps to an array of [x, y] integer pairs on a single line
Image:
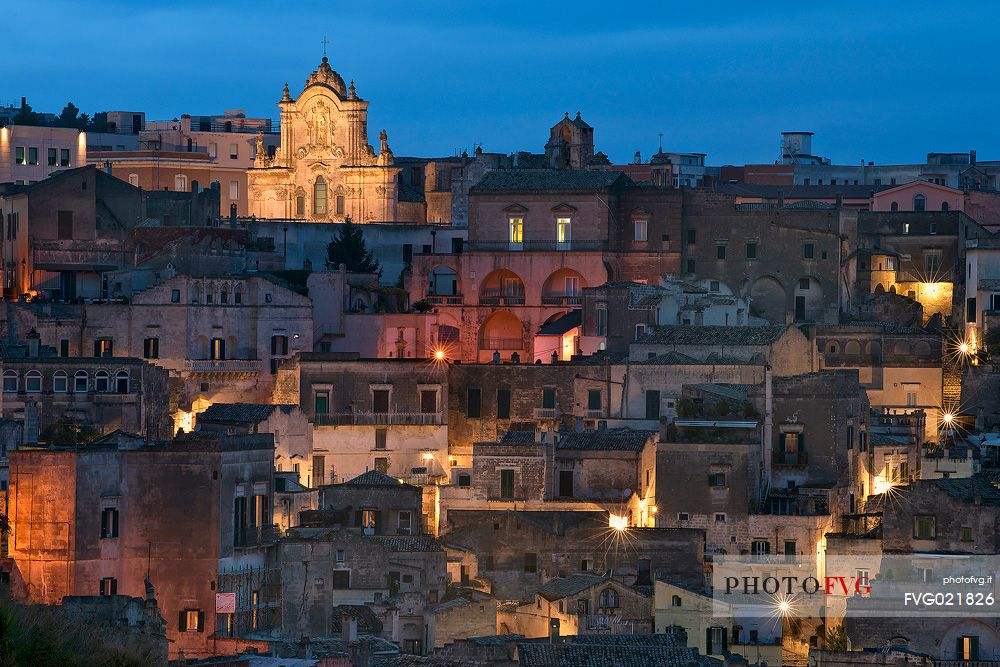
{"points": [[325, 42]]}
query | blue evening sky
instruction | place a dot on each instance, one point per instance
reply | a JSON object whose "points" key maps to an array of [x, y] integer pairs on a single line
{"points": [[886, 81]]}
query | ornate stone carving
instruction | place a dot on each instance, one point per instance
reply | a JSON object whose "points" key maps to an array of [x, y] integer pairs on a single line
{"points": [[380, 190]]}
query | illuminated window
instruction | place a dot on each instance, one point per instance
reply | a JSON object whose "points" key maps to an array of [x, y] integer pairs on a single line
{"points": [[33, 382], [368, 518], [319, 196], [60, 382], [516, 227], [217, 349], [191, 620], [103, 347], [967, 648], [564, 230]]}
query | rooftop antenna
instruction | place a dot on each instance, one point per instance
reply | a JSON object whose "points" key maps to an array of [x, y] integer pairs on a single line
{"points": [[325, 42], [660, 135]]}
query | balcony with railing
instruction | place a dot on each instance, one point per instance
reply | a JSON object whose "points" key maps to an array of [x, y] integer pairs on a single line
{"points": [[536, 246], [445, 299], [546, 413], [491, 343], [496, 296], [224, 365], [379, 419], [251, 537], [563, 300]]}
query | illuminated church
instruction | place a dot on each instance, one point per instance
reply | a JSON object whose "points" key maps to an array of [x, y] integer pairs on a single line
{"points": [[325, 169]]}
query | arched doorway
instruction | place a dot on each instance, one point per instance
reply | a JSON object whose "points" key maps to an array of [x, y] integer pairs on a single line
{"points": [[503, 332]]}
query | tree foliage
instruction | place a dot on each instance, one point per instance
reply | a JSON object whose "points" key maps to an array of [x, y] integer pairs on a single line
{"points": [[348, 247], [70, 116], [836, 638]]}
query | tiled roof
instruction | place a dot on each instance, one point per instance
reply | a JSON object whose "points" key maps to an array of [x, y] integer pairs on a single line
{"points": [[966, 489], [614, 439], [680, 334], [617, 439], [408, 543], [737, 392], [799, 191], [561, 587], [410, 193], [368, 622], [558, 327], [410, 660], [240, 413], [580, 654], [516, 180], [372, 478]]}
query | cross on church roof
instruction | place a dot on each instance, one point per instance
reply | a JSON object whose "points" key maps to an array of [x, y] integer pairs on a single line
{"points": [[325, 42]]}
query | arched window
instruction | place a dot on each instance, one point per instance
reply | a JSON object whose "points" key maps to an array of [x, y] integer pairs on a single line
{"points": [[944, 206], [121, 382], [919, 202], [102, 381], [60, 382], [10, 381], [196, 293], [319, 196], [609, 598], [339, 201], [224, 294], [81, 381], [33, 382], [894, 206]]}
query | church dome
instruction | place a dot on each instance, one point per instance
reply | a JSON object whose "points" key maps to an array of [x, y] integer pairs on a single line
{"points": [[324, 74]]}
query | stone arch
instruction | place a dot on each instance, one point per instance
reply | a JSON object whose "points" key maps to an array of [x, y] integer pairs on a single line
{"points": [[768, 299], [901, 348], [563, 287], [874, 350], [879, 289], [503, 332], [922, 349], [852, 348], [502, 287], [832, 347]]}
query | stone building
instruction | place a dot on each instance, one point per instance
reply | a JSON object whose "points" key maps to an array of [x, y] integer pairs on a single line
{"points": [[324, 169], [386, 414], [191, 154], [102, 518], [54, 397], [785, 258], [513, 552], [616, 314], [29, 154], [220, 337], [582, 604], [293, 434], [365, 546], [782, 347], [537, 238]]}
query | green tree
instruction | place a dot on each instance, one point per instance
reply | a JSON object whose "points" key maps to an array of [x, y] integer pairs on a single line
{"points": [[99, 123], [348, 248], [69, 116], [26, 116]]}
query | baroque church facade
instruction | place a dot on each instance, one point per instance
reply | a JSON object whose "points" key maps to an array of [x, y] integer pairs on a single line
{"points": [[324, 169]]}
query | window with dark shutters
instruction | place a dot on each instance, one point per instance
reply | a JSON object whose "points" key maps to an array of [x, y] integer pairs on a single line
{"points": [[503, 403], [472, 405]]}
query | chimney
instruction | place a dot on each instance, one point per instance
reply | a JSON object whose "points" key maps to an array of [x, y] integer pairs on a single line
{"points": [[663, 429], [24, 102], [34, 343], [553, 630], [348, 628], [972, 156]]}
